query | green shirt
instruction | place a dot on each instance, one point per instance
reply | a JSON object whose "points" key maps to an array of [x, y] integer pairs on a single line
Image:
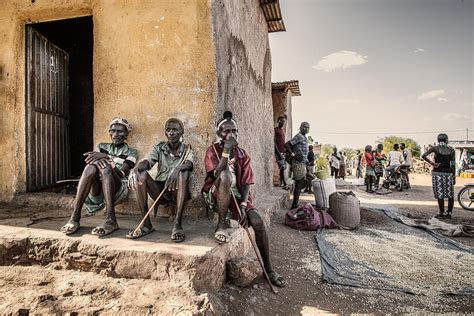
{"points": [[161, 154], [120, 155]]}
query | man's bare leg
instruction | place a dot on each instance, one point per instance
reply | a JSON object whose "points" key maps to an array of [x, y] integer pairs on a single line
{"points": [[177, 233], [145, 186], [111, 183], [223, 196], [89, 182], [261, 238]]}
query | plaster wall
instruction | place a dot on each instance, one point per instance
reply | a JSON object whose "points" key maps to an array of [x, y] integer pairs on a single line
{"points": [[152, 59], [243, 80]]}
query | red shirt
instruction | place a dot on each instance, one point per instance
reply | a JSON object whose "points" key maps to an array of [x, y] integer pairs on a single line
{"points": [[369, 158], [243, 172], [280, 139]]}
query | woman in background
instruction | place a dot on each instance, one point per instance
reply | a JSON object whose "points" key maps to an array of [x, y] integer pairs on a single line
{"points": [[443, 174]]}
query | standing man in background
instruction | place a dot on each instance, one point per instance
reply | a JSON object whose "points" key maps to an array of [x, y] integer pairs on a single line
{"points": [[280, 149], [297, 147]]}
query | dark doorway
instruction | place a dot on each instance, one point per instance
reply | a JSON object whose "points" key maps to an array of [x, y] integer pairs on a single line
{"points": [[71, 40]]}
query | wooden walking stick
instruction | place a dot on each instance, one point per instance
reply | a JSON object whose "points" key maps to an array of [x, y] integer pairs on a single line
{"points": [[159, 196], [257, 252], [254, 245]]}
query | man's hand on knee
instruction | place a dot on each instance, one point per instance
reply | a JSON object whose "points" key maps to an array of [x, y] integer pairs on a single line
{"points": [[134, 179], [243, 221], [172, 181]]}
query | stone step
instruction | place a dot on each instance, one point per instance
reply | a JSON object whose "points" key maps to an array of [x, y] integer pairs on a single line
{"points": [[30, 236]]}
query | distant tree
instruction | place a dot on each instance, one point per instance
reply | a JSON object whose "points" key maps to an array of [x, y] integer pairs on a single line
{"points": [[326, 149], [350, 153], [388, 142]]}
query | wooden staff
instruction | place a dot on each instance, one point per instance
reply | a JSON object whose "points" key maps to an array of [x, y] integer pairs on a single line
{"points": [[159, 196], [254, 245], [257, 252]]}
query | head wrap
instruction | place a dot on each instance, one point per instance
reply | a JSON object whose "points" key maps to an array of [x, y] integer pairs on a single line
{"points": [[227, 117], [124, 122], [175, 120]]}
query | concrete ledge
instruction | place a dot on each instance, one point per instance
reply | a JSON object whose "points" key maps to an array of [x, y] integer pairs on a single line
{"points": [[30, 236]]}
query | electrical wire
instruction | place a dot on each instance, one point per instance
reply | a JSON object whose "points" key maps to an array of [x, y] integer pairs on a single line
{"points": [[385, 133]]}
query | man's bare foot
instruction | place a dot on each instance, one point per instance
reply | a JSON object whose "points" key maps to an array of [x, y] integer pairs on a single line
{"points": [[277, 279], [177, 234], [221, 235], [70, 228], [105, 229]]}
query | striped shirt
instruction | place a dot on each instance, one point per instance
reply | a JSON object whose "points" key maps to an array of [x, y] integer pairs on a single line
{"points": [[300, 147], [119, 154]]}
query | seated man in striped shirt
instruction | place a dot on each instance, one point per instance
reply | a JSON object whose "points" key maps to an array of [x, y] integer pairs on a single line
{"points": [[104, 180]]}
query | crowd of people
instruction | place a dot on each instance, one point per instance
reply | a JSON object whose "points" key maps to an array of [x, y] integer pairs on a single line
{"points": [[372, 165], [112, 170]]}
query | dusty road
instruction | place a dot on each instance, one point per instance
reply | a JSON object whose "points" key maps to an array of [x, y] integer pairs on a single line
{"points": [[295, 255]]}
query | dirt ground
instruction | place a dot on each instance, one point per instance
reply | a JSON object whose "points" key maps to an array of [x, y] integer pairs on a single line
{"points": [[295, 255], [46, 290]]}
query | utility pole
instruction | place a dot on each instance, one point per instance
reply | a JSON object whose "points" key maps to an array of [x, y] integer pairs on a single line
{"points": [[467, 135]]}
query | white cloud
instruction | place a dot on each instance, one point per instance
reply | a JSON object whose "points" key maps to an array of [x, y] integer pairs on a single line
{"points": [[348, 101], [342, 59], [442, 100], [431, 94], [419, 50], [456, 117]]}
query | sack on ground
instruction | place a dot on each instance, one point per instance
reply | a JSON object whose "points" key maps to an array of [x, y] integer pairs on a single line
{"points": [[307, 218], [344, 207], [322, 190]]}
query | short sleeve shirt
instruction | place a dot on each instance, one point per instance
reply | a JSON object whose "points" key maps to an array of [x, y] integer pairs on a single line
{"points": [[161, 154], [119, 154], [395, 157], [300, 147], [280, 139]]}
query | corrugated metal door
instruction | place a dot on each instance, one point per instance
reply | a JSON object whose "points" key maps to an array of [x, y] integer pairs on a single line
{"points": [[47, 112]]}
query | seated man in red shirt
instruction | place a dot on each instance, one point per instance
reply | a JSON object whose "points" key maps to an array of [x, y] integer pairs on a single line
{"points": [[227, 190]]}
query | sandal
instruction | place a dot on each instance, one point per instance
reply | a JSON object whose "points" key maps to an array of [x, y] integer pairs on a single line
{"points": [[177, 234], [277, 279], [143, 231], [106, 229], [70, 228], [221, 236]]}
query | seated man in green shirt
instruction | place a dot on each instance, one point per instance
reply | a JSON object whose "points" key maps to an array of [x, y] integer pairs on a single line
{"points": [[172, 176], [104, 180]]}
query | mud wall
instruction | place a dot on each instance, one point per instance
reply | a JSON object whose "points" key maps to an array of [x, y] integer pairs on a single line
{"points": [[152, 59], [282, 106], [243, 80]]}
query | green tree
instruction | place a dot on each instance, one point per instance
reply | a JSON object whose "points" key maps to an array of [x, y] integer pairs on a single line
{"points": [[389, 141], [350, 153], [326, 149]]}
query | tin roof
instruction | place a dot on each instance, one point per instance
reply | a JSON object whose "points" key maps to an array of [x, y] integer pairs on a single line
{"points": [[271, 10], [292, 85]]}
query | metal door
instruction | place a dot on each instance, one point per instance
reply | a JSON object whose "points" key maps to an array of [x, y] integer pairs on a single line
{"points": [[47, 112]]}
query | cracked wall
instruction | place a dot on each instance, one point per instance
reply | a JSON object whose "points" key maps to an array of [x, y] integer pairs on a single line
{"points": [[244, 80]]}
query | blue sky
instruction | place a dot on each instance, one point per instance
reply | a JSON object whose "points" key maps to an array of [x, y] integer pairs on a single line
{"points": [[378, 66]]}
